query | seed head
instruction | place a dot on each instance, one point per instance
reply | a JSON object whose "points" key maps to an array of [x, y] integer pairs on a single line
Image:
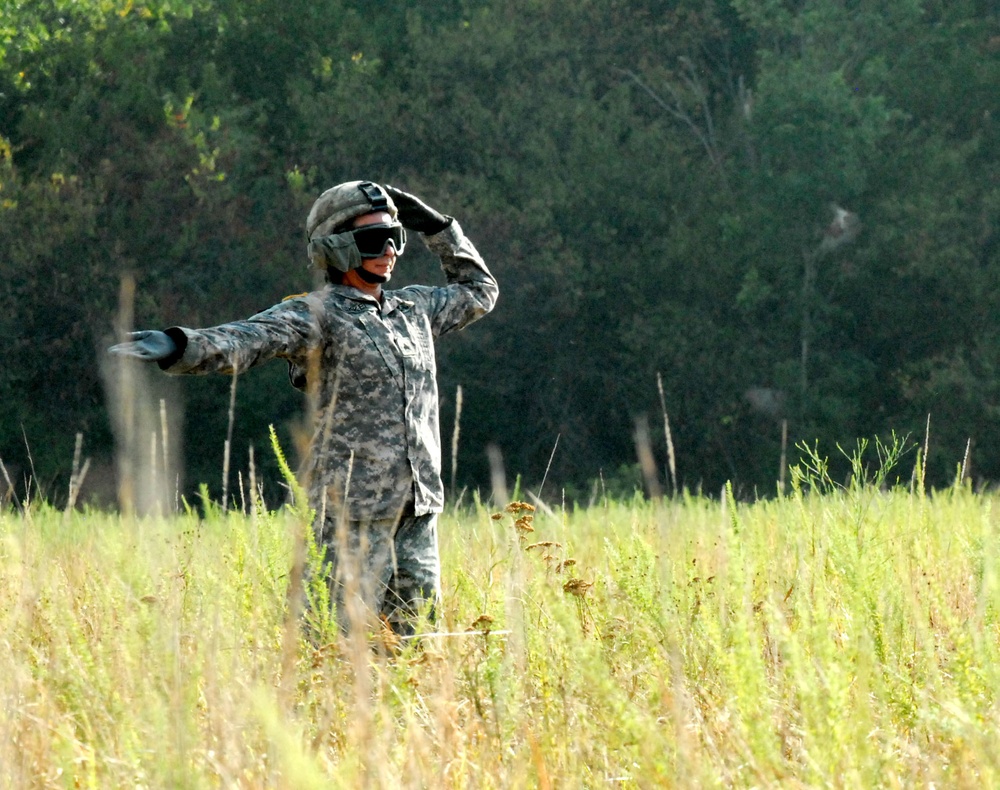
{"points": [[482, 623], [543, 544], [565, 564], [577, 587], [523, 525], [387, 638]]}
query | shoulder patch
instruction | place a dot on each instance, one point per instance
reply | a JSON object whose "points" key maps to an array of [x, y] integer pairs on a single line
{"points": [[295, 296]]}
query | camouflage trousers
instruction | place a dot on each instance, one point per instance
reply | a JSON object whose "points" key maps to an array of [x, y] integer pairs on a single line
{"points": [[384, 570]]}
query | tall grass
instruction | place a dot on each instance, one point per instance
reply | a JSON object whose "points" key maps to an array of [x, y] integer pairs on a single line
{"points": [[845, 638]]}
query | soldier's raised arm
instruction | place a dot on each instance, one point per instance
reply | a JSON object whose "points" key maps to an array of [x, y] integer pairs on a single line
{"points": [[472, 289]]}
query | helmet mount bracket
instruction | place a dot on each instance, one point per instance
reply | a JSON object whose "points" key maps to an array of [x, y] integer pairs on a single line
{"points": [[376, 197]]}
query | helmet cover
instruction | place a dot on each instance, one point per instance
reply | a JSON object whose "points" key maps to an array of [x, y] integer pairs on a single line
{"points": [[345, 202]]}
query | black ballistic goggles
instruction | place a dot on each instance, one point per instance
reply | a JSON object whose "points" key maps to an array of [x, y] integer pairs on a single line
{"points": [[373, 240]]}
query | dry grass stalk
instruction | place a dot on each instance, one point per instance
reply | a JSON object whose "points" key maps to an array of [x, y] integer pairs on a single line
{"points": [[966, 461], [9, 493], [77, 475], [498, 475], [229, 442], [455, 436], [548, 466], [644, 450], [126, 397], [671, 459], [783, 462], [927, 443]]}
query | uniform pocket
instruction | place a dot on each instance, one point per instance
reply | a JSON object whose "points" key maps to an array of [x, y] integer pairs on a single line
{"points": [[380, 338], [416, 345]]}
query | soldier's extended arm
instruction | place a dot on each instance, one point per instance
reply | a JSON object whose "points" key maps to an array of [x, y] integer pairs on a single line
{"points": [[472, 290], [286, 330]]}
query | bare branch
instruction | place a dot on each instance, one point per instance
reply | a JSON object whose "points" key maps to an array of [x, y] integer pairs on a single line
{"points": [[676, 110]]}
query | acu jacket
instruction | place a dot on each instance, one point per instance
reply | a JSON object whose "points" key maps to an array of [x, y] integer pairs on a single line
{"points": [[371, 373]]}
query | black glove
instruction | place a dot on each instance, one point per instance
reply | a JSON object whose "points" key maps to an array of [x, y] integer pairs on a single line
{"points": [[416, 215], [148, 345]]}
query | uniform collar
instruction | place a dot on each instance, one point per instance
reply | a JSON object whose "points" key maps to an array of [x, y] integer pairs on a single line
{"points": [[394, 301], [352, 293], [391, 300]]}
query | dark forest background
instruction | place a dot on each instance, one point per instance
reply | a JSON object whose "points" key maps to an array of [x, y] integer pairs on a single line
{"points": [[788, 209]]}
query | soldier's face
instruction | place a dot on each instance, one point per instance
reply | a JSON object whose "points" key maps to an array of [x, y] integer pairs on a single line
{"points": [[382, 266]]}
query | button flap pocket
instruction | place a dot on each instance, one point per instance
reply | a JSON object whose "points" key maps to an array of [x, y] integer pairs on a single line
{"points": [[380, 337]]}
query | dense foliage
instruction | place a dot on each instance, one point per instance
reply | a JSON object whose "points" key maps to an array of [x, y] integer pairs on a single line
{"points": [[652, 182]]}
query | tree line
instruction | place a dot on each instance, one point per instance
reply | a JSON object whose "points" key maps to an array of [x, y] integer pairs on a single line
{"points": [[784, 211]]}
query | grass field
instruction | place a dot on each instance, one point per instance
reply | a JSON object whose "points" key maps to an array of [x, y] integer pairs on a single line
{"points": [[838, 636]]}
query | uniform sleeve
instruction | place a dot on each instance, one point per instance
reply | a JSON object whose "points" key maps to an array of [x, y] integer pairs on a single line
{"points": [[471, 291], [288, 330]]}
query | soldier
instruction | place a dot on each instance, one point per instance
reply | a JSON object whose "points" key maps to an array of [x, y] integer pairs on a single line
{"points": [[366, 356]]}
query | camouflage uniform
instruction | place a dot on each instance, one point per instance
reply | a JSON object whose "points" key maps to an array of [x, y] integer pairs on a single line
{"points": [[375, 462]]}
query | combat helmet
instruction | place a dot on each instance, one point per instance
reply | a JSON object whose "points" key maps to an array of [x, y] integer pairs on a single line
{"points": [[332, 210]]}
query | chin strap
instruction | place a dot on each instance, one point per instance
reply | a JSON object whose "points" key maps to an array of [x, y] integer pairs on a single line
{"points": [[370, 277]]}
